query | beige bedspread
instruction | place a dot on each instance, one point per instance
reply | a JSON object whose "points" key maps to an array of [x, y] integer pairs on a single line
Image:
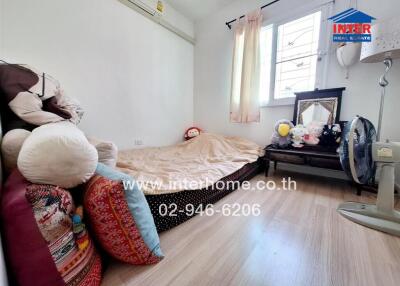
{"points": [[191, 165]]}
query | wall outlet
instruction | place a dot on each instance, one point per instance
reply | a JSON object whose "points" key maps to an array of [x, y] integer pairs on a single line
{"points": [[138, 142]]}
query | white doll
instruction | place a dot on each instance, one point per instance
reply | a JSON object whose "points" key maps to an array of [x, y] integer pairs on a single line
{"points": [[297, 134]]}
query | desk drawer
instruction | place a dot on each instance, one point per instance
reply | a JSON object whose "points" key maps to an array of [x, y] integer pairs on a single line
{"points": [[325, 163], [293, 159]]}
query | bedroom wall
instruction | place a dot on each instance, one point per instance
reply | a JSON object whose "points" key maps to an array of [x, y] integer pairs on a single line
{"points": [[133, 77], [213, 54]]}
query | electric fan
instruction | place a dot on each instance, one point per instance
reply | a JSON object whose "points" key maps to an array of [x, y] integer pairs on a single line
{"points": [[360, 154]]}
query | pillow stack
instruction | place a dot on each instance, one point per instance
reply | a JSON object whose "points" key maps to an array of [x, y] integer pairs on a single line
{"points": [[38, 237], [42, 233], [44, 246], [45, 239]]}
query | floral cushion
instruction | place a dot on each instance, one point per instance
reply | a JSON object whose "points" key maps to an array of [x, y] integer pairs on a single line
{"points": [[121, 218]]}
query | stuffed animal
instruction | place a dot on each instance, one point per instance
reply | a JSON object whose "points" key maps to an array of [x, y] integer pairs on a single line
{"points": [[192, 132], [314, 132], [331, 135], [79, 229], [281, 135], [298, 133]]}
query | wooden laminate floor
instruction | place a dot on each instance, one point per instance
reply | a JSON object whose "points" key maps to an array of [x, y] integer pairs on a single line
{"points": [[298, 239]]}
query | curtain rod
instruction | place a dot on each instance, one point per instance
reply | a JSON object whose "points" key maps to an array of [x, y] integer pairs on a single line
{"points": [[262, 7]]}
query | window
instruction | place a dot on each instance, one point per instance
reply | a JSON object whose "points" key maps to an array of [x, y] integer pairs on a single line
{"points": [[289, 58]]}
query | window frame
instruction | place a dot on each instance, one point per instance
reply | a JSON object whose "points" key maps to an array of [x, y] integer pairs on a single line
{"points": [[323, 46]]}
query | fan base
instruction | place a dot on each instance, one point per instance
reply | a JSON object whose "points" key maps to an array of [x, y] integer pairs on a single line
{"points": [[369, 216]]}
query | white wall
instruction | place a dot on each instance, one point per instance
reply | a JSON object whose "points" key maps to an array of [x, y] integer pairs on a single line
{"points": [[3, 270], [213, 57], [1, 25], [133, 77]]}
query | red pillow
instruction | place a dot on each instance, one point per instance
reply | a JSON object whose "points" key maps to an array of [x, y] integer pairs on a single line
{"points": [[40, 244], [121, 220]]}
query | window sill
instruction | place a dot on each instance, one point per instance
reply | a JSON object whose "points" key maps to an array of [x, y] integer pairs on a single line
{"points": [[279, 102]]}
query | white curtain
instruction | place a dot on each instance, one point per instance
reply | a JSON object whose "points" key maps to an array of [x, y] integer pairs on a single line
{"points": [[245, 102]]}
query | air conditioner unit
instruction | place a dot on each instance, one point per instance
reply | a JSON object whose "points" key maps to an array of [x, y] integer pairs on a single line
{"points": [[145, 6], [148, 8]]}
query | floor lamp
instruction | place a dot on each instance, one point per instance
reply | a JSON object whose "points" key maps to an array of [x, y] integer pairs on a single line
{"points": [[384, 47]]}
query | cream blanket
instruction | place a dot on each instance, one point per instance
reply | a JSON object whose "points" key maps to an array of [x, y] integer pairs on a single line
{"points": [[191, 165]]}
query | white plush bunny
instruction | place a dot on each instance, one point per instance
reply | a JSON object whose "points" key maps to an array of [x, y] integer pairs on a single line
{"points": [[297, 134]]}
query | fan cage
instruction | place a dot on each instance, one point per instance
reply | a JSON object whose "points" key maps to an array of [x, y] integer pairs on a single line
{"points": [[357, 161]]}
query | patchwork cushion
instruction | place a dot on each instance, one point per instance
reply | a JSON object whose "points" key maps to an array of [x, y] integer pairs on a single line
{"points": [[120, 217], [11, 146], [41, 246], [57, 154]]}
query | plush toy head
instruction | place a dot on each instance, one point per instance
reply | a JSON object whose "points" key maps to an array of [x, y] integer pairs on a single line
{"points": [[283, 129], [331, 135], [281, 135], [298, 134], [192, 132], [314, 132]]}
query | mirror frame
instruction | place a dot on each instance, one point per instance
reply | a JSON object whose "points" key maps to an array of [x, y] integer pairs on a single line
{"points": [[319, 94]]}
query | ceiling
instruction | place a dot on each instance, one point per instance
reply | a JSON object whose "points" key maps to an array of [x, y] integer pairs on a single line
{"points": [[198, 9]]}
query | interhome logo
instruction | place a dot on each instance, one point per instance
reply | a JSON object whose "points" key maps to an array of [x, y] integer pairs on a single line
{"points": [[352, 26]]}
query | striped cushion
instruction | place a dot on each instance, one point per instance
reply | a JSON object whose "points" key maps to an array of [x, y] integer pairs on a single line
{"points": [[39, 236]]}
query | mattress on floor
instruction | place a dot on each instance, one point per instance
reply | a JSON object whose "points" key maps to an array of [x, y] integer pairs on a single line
{"points": [[191, 165], [189, 174], [196, 198]]}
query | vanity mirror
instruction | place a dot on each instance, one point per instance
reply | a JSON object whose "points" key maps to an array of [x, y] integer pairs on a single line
{"points": [[318, 105]]}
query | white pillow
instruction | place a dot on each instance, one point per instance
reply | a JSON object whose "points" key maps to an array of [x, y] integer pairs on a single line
{"points": [[57, 154], [11, 146], [107, 151]]}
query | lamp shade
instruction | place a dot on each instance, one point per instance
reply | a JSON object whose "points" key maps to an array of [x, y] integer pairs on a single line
{"points": [[385, 42]]}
